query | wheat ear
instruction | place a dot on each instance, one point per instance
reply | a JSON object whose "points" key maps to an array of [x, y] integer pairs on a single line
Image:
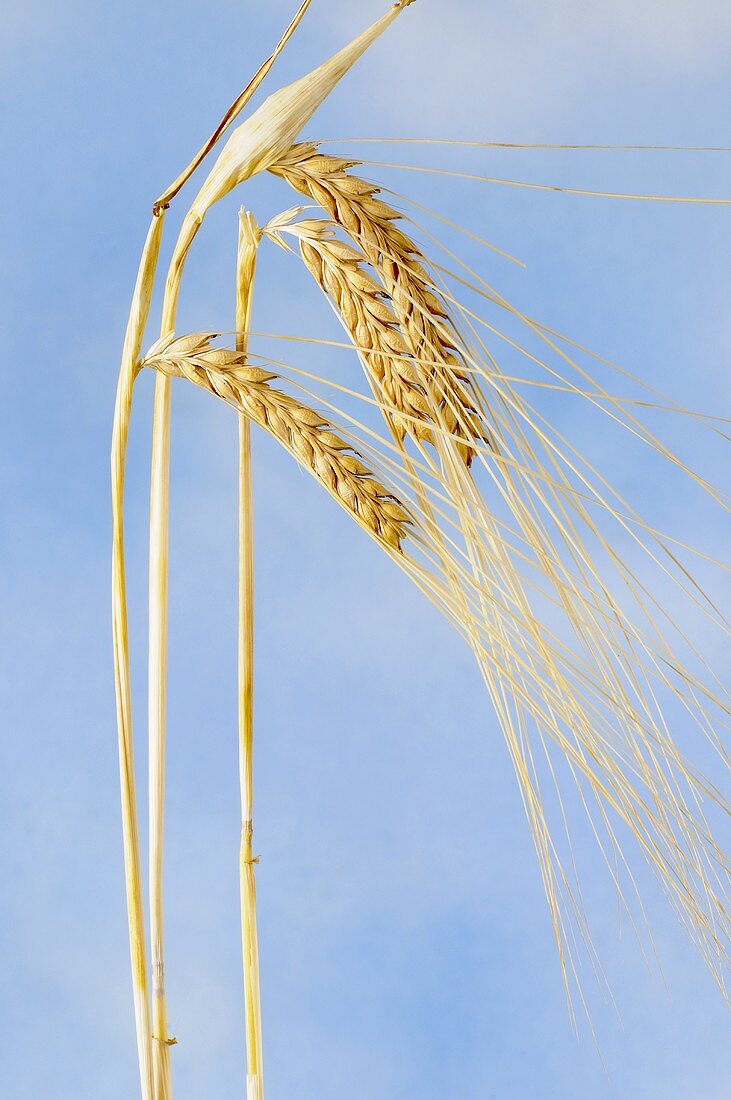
{"points": [[249, 236], [352, 203], [305, 433]]}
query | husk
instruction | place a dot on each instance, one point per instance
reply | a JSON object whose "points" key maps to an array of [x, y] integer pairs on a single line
{"points": [[271, 130]]}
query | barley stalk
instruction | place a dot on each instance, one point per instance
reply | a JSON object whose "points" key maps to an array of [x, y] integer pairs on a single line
{"points": [[130, 832], [305, 433], [249, 236], [157, 692], [374, 330]]}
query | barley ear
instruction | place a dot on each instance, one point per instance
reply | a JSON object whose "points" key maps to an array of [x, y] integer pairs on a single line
{"points": [[435, 369], [304, 432]]}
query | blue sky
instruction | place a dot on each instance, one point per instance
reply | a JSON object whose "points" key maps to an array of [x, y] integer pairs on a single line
{"points": [[406, 948]]}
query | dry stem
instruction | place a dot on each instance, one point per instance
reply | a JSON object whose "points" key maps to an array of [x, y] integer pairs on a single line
{"points": [[249, 236], [133, 339], [157, 689]]}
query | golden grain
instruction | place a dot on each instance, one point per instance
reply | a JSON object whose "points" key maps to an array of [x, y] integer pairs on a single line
{"points": [[353, 204], [305, 433]]}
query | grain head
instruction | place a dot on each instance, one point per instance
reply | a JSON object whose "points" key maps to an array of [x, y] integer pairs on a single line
{"points": [[352, 203], [304, 432]]}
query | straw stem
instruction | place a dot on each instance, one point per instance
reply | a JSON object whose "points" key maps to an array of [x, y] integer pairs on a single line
{"points": [[157, 686], [249, 236], [133, 877]]}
